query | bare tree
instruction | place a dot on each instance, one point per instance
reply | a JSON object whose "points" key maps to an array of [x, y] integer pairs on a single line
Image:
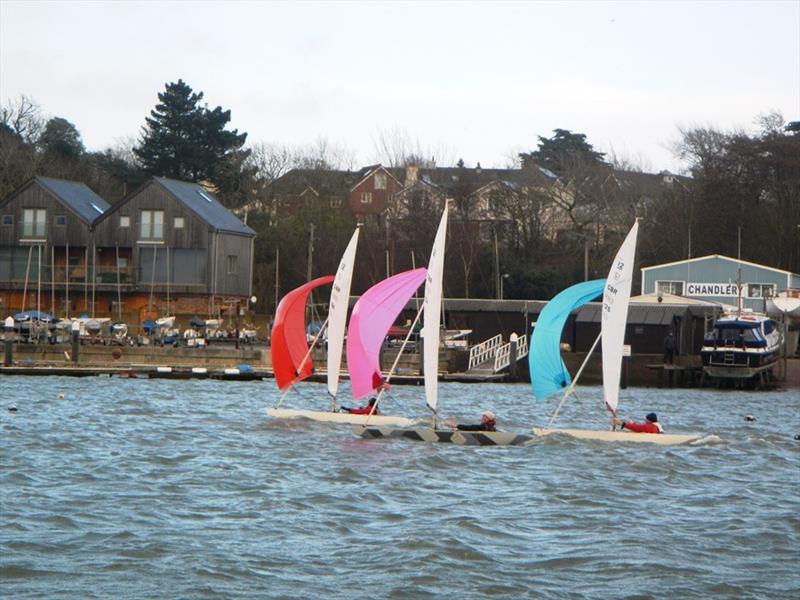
{"points": [[23, 117], [394, 147]]}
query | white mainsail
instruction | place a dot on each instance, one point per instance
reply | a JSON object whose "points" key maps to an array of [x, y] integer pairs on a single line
{"points": [[616, 296], [337, 313], [432, 314]]}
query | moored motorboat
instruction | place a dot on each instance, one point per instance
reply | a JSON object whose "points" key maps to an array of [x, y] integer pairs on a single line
{"points": [[741, 345]]}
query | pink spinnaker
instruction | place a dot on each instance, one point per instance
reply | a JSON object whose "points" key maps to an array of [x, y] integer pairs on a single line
{"points": [[373, 315]]}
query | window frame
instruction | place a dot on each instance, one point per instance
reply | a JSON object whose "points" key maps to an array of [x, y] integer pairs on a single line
{"points": [[366, 197], [62, 218], [175, 224], [232, 264], [380, 181], [127, 223], [151, 229], [9, 217], [672, 283], [761, 287], [37, 228]]}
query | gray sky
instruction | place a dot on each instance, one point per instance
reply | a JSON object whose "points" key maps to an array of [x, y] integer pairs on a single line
{"points": [[470, 80]]}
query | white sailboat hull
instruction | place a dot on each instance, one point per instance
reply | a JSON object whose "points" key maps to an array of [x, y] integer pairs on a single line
{"points": [[338, 417], [445, 436], [664, 439]]}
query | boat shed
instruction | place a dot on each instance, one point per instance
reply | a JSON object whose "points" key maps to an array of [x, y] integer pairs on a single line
{"points": [[649, 322], [714, 279]]}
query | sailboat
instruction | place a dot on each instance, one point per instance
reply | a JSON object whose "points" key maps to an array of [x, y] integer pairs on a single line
{"points": [[616, 295], [431, 336], [291, 354]]}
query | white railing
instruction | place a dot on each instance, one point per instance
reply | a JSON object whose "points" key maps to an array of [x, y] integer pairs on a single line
{"points": [[484, 351], [502, 357]]}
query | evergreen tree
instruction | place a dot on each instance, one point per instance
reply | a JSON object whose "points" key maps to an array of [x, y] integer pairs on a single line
{"points": [[184, 140], [563, 151], [60, 139]]}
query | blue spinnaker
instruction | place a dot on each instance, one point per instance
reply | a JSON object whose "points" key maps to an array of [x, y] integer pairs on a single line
{"points": [[548, 372]]}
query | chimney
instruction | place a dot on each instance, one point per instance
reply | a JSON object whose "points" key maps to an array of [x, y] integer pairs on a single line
{"points": [[412, 174], [478, 169]]}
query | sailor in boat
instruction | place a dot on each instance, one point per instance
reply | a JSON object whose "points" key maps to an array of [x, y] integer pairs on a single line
{"points": [[651, 425], [365, 410], [488, 423]]}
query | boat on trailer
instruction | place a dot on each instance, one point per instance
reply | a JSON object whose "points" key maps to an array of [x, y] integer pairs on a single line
{"points": [[431, 310], [548, 373]]}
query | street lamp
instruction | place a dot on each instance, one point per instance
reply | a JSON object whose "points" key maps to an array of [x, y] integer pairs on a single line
{"points": [[503, 278]]}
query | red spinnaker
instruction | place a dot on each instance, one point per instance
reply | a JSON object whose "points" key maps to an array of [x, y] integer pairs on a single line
{"points": [[288, 339]]}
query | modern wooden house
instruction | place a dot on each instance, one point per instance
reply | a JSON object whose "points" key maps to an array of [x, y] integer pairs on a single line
{"points": [[179, 249], [46, 246], [169, 247]]}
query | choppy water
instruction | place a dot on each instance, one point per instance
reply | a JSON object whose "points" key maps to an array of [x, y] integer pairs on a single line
{"points": [[184, 489]]}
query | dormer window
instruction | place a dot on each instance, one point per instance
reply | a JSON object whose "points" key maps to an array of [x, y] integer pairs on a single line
{"points": [[380, 181]]}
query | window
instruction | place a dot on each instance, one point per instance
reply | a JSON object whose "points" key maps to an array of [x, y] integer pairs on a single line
{"points": [[674, 288], [178, 223], [151, 226], [336, 202], [8, 220], [124, 221], [122, 262], [760, 290], [380, 181], [366, 197], [61, 220], [232, 259], [33, 222]]}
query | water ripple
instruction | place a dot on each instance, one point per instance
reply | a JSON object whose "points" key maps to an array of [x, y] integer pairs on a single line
{"points": [[153, 488]]}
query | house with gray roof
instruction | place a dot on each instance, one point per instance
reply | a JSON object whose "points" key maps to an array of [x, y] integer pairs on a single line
{"points": [[45, 240], [181, 250]]}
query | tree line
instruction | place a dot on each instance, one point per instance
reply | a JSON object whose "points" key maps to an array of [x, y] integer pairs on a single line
{"points": [[737, 186]]}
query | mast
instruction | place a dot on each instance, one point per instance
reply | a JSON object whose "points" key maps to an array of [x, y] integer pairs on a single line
{"points": [[237, 308], [38, 294], [27, 272], [53, 281], [739, 273], [119, 293], [94, 275], [66, 283]]}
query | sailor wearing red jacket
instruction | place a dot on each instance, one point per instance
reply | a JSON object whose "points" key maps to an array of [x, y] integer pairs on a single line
{"points": [[651, 425]]}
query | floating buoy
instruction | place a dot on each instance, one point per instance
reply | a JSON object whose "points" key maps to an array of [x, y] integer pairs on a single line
{"points": [[797, 437], [749, 418], [12, 407], [61, 396]]}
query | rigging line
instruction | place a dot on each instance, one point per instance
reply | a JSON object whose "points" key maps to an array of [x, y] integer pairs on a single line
{"points": [[571, 388], [394, 365], [305, 358], [27, 271]]}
